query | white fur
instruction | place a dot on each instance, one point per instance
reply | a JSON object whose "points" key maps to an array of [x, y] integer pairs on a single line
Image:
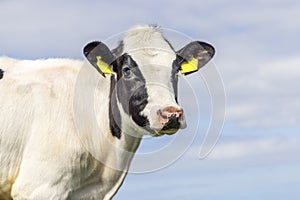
{"points": [[41, 154], [50, 145], [154, 56]]}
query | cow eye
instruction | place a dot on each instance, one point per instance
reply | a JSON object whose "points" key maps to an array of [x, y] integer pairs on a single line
{"points": [[126, 71]]}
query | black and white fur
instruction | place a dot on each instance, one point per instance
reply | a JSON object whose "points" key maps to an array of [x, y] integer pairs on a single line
{"points": [[42, 156]]}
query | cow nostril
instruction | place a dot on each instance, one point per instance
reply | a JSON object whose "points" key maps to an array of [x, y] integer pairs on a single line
{"points": [[170, 118], [173, 115], [160, 113]]}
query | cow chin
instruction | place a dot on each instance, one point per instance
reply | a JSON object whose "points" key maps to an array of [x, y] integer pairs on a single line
{"points": [[165, 132]]}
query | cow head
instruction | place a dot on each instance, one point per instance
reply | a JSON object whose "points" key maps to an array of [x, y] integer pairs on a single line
{"points": [[144, 71]]}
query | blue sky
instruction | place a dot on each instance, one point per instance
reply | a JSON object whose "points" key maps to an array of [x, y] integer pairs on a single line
{"points": [[258, 55]]}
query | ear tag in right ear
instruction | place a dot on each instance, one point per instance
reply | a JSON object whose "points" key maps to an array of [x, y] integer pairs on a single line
{"points": [[189, 66], [103, 66]]}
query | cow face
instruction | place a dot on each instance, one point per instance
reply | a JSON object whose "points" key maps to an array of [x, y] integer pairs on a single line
{"points": [[144, 75]]}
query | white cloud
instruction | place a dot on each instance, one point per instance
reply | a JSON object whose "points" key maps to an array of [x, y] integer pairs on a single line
{"points": [[267, 96], [261, 167], [268, 148]]}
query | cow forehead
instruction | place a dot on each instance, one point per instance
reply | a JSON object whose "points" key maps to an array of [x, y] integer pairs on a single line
{"points": [[148, 47], [160, 60]]}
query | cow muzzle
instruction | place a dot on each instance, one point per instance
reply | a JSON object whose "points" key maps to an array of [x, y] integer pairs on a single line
{"points": [[171, 119]]}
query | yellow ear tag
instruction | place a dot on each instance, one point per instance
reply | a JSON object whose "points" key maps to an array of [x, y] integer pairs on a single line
{"points": [[189, 66], [103, 66]]}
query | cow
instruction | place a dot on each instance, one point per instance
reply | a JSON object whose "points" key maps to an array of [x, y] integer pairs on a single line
{"points": [[42, 153]]}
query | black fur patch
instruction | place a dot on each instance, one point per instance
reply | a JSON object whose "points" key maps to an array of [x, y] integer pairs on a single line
{"points": [[174, 77], [114, 112], [1, 73], [132, 92], [198, 50], [95, 49]]}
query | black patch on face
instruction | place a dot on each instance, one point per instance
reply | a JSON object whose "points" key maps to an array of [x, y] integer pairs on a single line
{"points": [[174, 77], [1, 73], [131, 90], [114, 112]]}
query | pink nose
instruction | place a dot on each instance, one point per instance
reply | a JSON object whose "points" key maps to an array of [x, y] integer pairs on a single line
{"points": [[169, 114]]}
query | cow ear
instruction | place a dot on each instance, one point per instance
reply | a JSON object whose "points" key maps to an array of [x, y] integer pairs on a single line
{"points": [[194, 56], [99, 55]]}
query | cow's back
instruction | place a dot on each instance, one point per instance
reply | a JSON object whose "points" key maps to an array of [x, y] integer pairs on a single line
{"points": [[31, 92]]}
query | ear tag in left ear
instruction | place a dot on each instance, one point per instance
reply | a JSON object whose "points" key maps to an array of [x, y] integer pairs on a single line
{"points": [[103, 66], [189, 66]]}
